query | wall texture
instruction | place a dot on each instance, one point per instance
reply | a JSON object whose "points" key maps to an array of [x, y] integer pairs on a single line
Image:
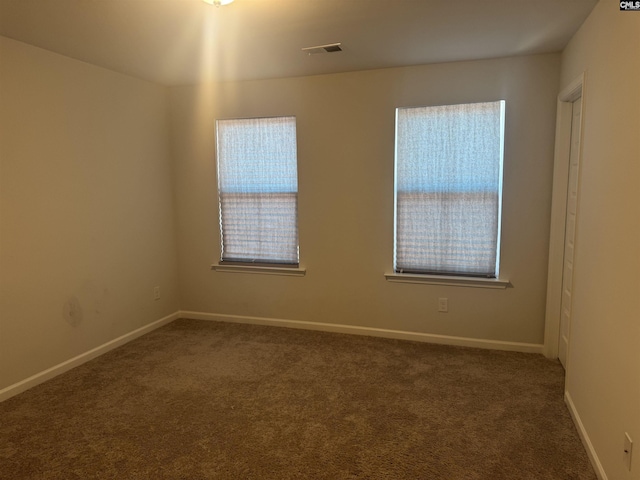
{"points": [[345, 163], [86, 208], [603, 376]]}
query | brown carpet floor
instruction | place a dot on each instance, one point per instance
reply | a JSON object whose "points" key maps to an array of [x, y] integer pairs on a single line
{"points": [[201, 400]]}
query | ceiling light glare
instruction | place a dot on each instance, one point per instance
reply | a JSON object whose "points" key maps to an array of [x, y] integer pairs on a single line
{"points": [[217, 3]]}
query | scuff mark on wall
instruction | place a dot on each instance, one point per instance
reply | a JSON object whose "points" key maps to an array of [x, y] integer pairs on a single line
{"points": [[72, 311]]}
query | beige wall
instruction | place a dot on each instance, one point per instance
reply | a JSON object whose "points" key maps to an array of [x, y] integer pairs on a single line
{"points": [[86, 208], [345, 157], [603, 379]]}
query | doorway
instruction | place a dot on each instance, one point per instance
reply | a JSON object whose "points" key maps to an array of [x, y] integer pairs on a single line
{"points": [[570, 232], [564, 213]]}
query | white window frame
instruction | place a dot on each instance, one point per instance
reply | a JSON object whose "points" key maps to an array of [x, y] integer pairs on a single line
{"points": [[452, 279], [232, 183]]}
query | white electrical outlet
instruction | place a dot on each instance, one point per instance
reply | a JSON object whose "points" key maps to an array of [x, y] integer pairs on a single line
{"points": [[628, 446], [156, 293], [443, 304]]}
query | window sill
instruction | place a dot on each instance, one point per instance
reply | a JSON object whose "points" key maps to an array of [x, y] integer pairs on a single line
{"points": [[448, 280], [285, 271]]}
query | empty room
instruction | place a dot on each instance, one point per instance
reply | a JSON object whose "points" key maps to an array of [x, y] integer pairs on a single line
{"points": [[320, 239]]}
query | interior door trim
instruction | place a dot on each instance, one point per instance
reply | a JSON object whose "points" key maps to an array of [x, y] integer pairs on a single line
{"points": [[573, 91]]}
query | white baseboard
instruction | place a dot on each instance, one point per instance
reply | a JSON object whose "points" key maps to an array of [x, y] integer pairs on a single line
{"points": [[586, 441], [56, 370], [67, 365], [368, 331]]}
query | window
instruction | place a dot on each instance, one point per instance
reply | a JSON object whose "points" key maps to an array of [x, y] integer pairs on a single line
{"points": [[448, 189], [258, 190]]}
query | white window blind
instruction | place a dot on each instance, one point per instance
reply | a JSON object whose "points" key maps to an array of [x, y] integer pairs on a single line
{"points": [[448, 189], [258, 190]]}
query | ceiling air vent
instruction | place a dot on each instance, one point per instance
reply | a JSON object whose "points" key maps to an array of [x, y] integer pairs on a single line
{"points": [[331, 48]]}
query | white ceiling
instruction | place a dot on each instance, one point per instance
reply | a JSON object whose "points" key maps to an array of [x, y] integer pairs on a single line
{"points": [[175, 42]]}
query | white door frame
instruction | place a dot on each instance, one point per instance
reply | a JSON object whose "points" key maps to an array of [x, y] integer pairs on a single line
{"points": [[562, 151]]}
